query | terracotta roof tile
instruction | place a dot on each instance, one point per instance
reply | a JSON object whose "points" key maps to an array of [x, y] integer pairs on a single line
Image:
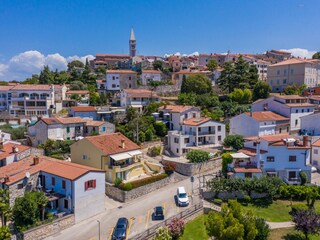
{"points": [[94, 123], [247, 170], [77, 92], [176, 108], [316, 143], [67, 120], [196, 121], [43, 87], [121, 71], [266, 116], [251, 151], [7, 149], [84, 109], [17, 170], [112, 143]]}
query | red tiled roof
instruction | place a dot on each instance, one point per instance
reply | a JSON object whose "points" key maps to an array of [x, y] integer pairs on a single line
{"points": [[77, 92], [247, 170], [266, 116], [295, 61], [316, 143], [17, 171], [84, 109], [44, 87], [94, 123], [138, 93], [289, 97], [5, 87], [196, 121], [7, 149], [251, 151], [151, 71], [176, 108], [67, 120], [121, 71], [112, 143]]}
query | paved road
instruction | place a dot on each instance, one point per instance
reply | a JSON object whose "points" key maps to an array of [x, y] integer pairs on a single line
{"points": [[138, 212]]}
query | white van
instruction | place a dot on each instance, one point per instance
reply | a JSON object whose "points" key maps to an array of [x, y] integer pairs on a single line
{"points": [[182, 197]]}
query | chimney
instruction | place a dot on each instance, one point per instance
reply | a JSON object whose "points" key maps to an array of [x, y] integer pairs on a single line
{"points": [[305, 140], [14, 150], [36, 160], [123, 145], [1, 145], [6, 179]]}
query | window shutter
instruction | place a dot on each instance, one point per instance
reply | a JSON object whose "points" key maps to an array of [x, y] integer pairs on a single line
{"points": [[85, 186], [94, 183]]}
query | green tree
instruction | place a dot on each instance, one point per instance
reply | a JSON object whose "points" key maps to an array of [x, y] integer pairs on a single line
{"points": [[212, 64], [184, 83], [187, 99], [261, 90], [227, 79], [197, 156], [75, 96], [294, 89], [5, 233], [94, 99], [75, 63], [46, 76], [42, 202], [5, 209], [226, 159], [157, 65], [234, 141], [241, 96], [77, 85], [263, 229], [131, 113], [316, 55], [197, 84], [161, 129], [103, 99]]}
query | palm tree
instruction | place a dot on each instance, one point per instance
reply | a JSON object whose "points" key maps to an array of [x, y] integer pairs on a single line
{"points": [[42, 202]]}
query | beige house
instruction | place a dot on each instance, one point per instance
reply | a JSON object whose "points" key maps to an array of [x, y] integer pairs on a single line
{"points": [[294, 71], [117, 80], [114, 153]]}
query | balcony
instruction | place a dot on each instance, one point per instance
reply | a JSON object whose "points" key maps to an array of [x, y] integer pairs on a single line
{"points": [[292, 181], [245, 164], [204, 133], [125, 167]]}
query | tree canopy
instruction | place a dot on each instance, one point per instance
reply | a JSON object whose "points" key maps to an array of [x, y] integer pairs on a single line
{"points": [[234, 141], [316, 55], [261, 90], [212, 64], [75, 63], [197, 84]]}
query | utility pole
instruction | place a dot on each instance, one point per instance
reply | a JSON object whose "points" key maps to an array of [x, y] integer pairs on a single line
{"points": [[99, 229]]}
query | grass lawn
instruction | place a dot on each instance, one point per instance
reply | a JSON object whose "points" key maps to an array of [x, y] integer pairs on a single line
{"points": [[288, 234], [278, 211], [195, 229]]}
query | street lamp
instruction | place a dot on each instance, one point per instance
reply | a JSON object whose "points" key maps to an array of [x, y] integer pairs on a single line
{"points": [[99, 227]]}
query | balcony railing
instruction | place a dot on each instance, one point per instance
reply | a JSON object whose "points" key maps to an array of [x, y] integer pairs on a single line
{"points": [[245, 165], [203, 133], [292, 181]]}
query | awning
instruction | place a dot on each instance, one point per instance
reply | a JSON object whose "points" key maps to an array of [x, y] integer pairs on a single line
{"points": [[120, 156], [239, 155], [135, 152], [136, 105]]}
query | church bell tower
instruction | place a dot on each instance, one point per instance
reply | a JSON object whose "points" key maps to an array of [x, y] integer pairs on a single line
{"points": [[132, 44]]}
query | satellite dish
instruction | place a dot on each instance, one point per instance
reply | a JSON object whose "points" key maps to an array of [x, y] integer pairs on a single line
{"points": [[27, 175]]}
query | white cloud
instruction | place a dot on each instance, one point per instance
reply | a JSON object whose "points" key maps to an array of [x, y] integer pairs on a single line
{"points": [[300, 52], [25, 64], [179, 54]]}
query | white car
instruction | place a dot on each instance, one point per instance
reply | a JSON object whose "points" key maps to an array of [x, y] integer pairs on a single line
{"points": [[182, 197], [314, 169]]}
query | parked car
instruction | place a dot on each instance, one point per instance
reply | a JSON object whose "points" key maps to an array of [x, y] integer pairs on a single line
{"points": [[158, 213], [314, 169], [120, 230], [182, 197]]}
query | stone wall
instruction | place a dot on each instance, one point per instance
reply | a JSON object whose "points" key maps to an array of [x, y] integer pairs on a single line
{"points": [[126, 196], [190, 169], [49, 229], [29, 152]]}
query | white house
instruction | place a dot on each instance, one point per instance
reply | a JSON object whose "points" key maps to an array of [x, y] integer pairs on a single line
{"points": [[281, 155], [315, 155], [117, 80], [138, 98], [291, 106], [189, 130], [150, 75], [258, 124], [88, 112], [70, 128], [69, 187], [310, 124]]}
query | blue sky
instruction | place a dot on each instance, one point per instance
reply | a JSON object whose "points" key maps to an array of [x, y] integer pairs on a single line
{"points": [[86, 27]]}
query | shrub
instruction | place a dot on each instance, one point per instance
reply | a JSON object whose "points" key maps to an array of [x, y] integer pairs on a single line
{"points": [[234, 141], [246, 199], [263, 229], [197, 156], [226, 159], [299, 192], [154, 151], [117, 182], [176, 227], [304, 178], [298, 207], [217, 201], [5, 233], [127, 186], [163, 233], [142, 182]]}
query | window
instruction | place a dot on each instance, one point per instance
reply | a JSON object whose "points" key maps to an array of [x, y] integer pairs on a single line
{"points": [[278, 72], [291, 71], [113, 86], [104, 129], [285, 72], [129, 78], [303, 110], [297, 110], [284, 81], [63, 184], [129, 85], [186, 115], [308, 110], [199, 129], [296, 122], [177, 150], [53, 181], [20, 186], [84, 157], [219, 138], [176, 140], [315, 151], [292, 158], [270, 159], [66, 203], [278, 81], [219, 128], [193, 115], [315, 163], [91, 184], [68, 129], [113, 78], [186, 140]]}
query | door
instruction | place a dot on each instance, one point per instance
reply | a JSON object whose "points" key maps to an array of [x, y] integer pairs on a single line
{"points": [[292, 175], [43, 181]]}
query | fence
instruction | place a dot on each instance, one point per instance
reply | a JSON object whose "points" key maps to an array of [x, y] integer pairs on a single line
{"points": [[149, 233]]}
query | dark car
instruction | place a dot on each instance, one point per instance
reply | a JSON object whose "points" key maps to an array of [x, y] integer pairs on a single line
{"points": [[120, 230], [158, 213]]}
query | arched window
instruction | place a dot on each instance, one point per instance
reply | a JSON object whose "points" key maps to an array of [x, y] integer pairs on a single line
{"points": [[44, 95], [34, 96], [21, 95]]}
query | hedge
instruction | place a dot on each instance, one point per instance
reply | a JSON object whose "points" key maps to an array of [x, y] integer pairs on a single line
{"points": [[142, 182]]}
